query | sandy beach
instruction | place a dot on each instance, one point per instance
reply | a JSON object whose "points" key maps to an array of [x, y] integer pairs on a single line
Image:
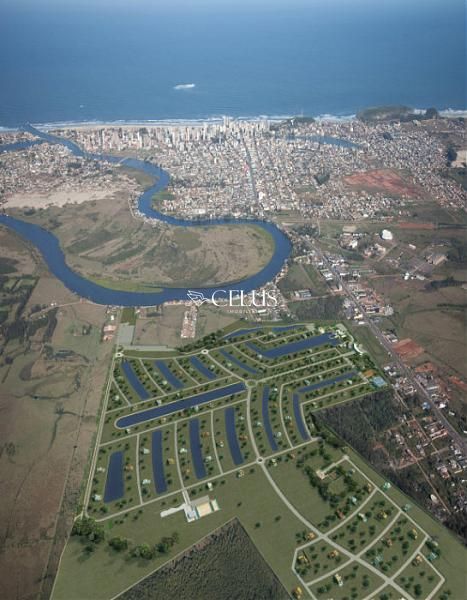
{"points": [[59, 198]]}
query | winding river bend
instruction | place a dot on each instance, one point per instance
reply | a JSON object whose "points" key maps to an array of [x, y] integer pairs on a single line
{"points": [[49, 247]]}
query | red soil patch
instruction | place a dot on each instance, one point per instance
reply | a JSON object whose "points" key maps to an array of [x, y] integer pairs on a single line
{"points": [[406, 225], [458, 382], [408, 349], [427, 367], [387, 181]]}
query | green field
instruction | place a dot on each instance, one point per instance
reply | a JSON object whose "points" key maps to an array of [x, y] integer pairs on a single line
{"points": [[314, 510]]}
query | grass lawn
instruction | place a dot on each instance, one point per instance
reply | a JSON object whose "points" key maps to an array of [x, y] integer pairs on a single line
{"points": [[391, 551], [104, 573], [364, 337], [365, 527], [357, 582], [131, 497], [145, 462], [318, 559], [329, 486], [418, 579], [451, 562], [295, 484]]}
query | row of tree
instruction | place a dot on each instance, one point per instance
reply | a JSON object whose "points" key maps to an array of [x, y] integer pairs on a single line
{"points": [[92, 533]]}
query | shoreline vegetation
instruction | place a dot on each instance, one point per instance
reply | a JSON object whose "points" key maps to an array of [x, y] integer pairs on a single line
{"points": [[396, 113]]}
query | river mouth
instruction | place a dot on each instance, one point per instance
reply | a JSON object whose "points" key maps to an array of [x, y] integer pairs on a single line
{"points": [[102, 290]]}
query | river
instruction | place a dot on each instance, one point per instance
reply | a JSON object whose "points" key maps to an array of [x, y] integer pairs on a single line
{"points": [[49, 247]]}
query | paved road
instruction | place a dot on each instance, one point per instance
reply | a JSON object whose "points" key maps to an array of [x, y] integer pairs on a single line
{"points": [[406, 371]]}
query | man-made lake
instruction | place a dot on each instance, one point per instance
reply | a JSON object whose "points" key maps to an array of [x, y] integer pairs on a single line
{"points": [[183, 404]]}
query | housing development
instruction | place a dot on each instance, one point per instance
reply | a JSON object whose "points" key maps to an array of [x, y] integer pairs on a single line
{"points": [[227, 430], [270, 401]]}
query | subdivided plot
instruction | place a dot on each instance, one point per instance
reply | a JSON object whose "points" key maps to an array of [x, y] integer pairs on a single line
{"points": [[228, 428], [127, 376], [267, 420], [196, 450], [304, 433], [232, 438], [179, 405], [265, 415], [114, 486], [158, 462], [168, 374], [294, 347], [234, 361], [201, 368]]}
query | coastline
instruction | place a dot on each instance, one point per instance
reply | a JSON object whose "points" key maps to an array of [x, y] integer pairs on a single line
{"points": [[448, 113]]}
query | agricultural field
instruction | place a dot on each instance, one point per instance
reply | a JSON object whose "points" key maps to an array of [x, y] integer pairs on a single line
{"points": [[223, 433]]}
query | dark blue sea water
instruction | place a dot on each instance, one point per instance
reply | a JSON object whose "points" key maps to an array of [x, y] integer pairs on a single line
{"points": [[111, 60]]}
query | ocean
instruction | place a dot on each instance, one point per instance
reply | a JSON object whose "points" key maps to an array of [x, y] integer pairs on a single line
{"points": [[78, 60]]}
